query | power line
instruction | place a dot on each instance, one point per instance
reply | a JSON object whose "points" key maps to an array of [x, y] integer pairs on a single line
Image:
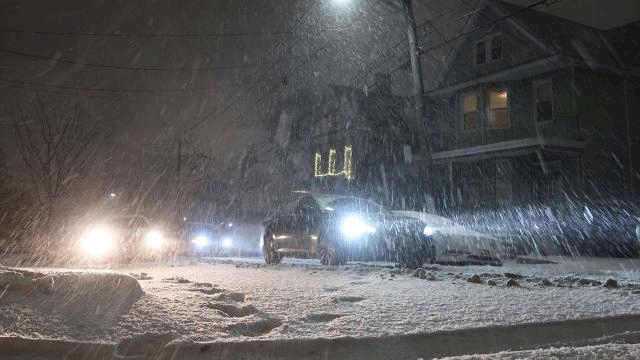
{"points": [[270, 54], [155, 35], [462, 34], [107, 98], [145, 35], [488, 25], [403, 41], [130, 68], [152, 91], [270, 91]]}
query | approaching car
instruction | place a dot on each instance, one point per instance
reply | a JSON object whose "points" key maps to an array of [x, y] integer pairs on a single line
{"points": [[337, 228], [205, 239], [459, 245], [123, 238]]}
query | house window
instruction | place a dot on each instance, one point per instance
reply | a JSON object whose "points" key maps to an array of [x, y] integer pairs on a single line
{"points": [[543, 100], [496, 48], [481, 53], [470, 111], [489, 49], [498, 109]]}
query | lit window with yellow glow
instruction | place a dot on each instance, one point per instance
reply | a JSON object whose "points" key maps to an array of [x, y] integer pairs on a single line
{"points": [[332, 163]]}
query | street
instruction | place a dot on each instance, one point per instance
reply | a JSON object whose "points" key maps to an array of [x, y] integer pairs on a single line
{"points": [[240, 301]]}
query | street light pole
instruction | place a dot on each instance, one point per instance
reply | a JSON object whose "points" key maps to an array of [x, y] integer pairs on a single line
{"points": [[418, 81]]}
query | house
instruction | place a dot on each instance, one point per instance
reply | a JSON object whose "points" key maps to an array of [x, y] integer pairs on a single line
{"points": [[363, 142], [531, 108]]}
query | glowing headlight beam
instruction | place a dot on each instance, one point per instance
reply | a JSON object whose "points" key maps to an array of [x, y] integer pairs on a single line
{"points": [[428, 230], [154, 239], [97, 242], [227, 243], [353, 226], [201, 241]]}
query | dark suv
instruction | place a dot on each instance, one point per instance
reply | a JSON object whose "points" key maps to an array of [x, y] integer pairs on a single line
{"points": [[337, 228]]}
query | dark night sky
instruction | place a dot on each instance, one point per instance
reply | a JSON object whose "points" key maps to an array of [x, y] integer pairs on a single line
{"points": [[330, 44]]}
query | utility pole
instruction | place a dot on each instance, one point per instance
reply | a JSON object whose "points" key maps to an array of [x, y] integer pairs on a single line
{"points": [[179, 161], [418, 82]]}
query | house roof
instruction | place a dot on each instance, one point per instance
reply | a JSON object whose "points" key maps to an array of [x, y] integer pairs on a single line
{"points": [[626, 44], [568, 40], [564, 37]]}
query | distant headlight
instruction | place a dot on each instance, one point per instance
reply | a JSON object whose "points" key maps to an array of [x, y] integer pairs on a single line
{"points": [[154, 239], [201, 241], [428, 230], [353, 226], [97, 242], [227, 243]]}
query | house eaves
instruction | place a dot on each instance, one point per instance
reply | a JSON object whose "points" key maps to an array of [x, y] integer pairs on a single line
{"points": [[526, 70], [573, 50], [528, 145]]}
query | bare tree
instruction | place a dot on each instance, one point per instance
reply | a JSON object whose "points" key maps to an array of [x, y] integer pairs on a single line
{"points": [[55, 146]]}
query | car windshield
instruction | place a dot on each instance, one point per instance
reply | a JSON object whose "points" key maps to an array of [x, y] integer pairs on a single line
{"points": [[322, 179], [353, 205]]}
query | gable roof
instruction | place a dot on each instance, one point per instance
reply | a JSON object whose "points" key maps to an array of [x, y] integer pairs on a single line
{"points": [[626, 45], [560, 38], [564, 37]]}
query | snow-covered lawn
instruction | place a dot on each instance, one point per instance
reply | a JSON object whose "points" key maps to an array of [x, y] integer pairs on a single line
{"points": [[243, 300]]}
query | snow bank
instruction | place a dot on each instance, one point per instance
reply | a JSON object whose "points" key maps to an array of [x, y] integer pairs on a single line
{"points": [[608, 351], [58, 300], [299, 306]]}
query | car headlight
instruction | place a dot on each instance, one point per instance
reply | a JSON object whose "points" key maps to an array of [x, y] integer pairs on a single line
{"points": [[97, 242], [227, 242], [353, 226], [201, 241], [154, 239], [428, 230]]}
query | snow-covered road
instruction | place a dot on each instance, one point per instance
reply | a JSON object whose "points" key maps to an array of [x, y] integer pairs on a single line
{"points": [[241, 300]]}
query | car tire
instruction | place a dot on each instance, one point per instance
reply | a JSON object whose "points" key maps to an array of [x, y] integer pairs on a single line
{"points": [[271, 256], [412, 259], [329, 253]]}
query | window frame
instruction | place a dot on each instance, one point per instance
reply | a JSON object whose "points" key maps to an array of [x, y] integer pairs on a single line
{"points": [[488, 49], [534, 87], [498, 35], [475, 51], [487, 100], [478, 96]]}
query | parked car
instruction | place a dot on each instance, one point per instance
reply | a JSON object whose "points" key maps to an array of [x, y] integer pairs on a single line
{"points": [[572, 227], [337, 228], [206, 239], [123, 238], [459, 245]]}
